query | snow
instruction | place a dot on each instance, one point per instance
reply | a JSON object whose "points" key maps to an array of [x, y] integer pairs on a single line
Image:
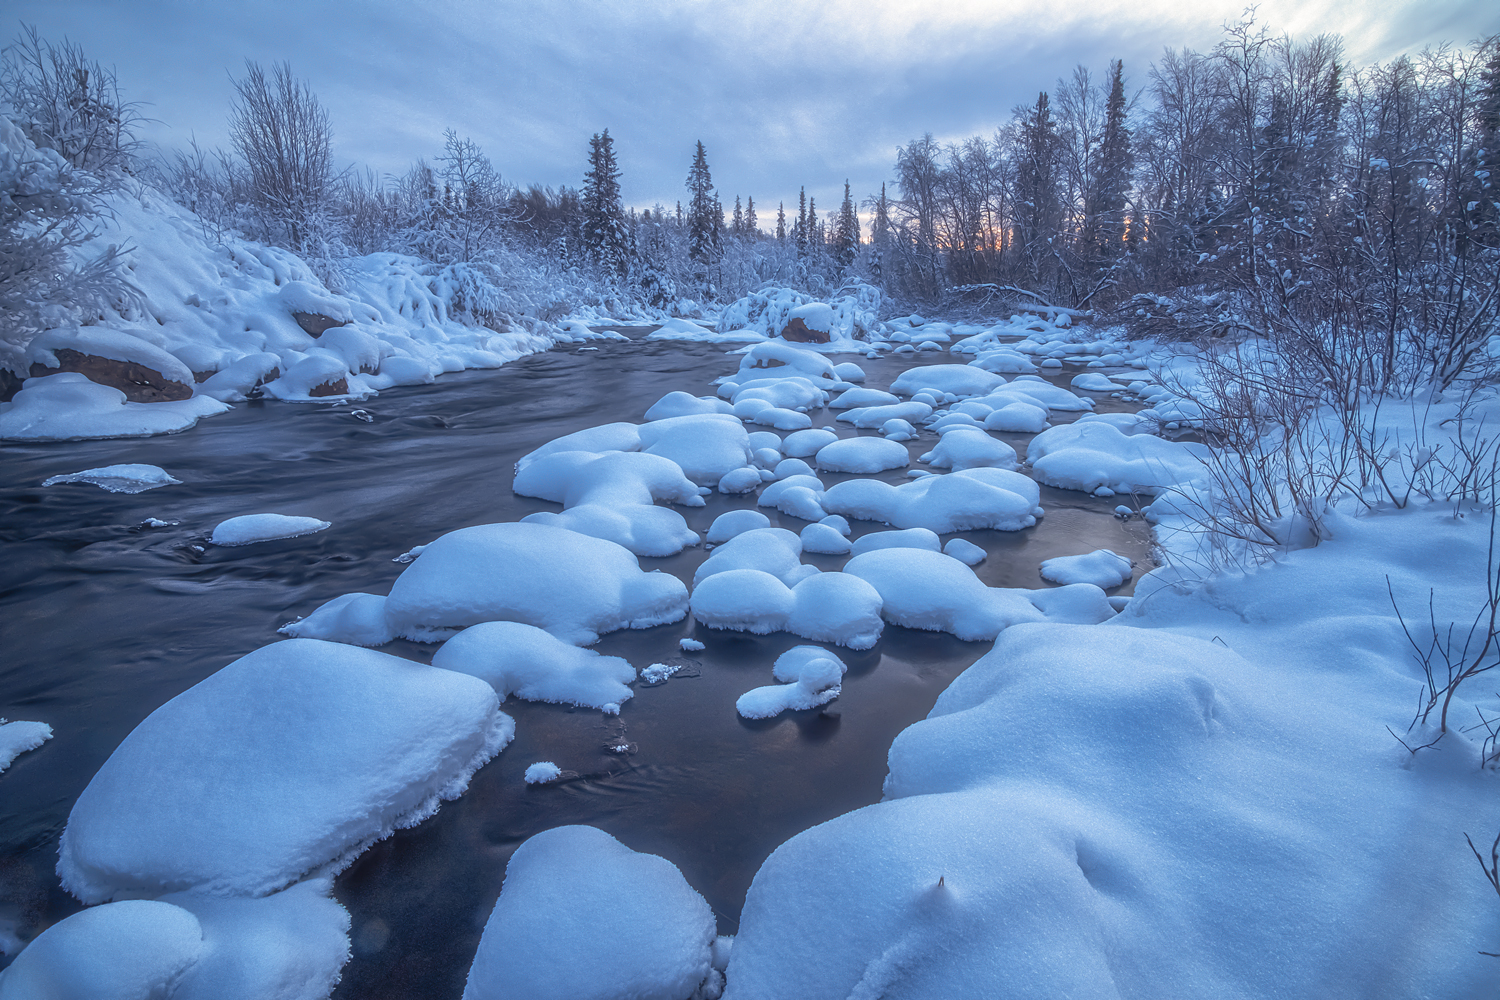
{"points": [[745, 480], [618, 436], [964, 551], [960, 380], [1017, 417], [1004, 362], [69, 407], [534, 665], [825, 607], [18, 737], [1039, 393], [250, 528], [133, 950], [681, 404], [837, 523], [583, 917], [735, 522], [1094, 382], [290, 945], [119, 478], [103, 342], [923, 589], [898, 430], [613, 495], [849, 372], [706, 446], [542, 772], [657, 673], [690, 645], [1089, 454], [906, 538], [869, 417], [290, 760], [770, 550], [1102, 567], [575, 586], [778, 417], [789, 467], [959, 501], [962, 448], [864, 455], [852, 398], [357, 619], [810, 676], [824, 540], [796, 496]]}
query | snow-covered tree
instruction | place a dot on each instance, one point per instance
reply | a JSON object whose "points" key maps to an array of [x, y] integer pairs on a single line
{"points": [[846, 231], [705, 215], [752, 226], [605, 236]]}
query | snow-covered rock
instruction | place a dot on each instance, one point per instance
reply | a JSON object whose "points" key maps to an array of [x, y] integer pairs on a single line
{"points": [[863, 455], [960, 380], [575, 586], [810, 676], [18, 737], [534, 665], [544, 940], [69, 407], [905, 538], [613, 495], [1102, 567], [1089, 454], [963, 448], [248, 529], [824, 607], [290, 760], [133, 950], [735, 522], [959, 501]]}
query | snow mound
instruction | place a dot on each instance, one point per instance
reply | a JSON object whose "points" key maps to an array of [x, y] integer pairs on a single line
{"points": [[290, 945], [825, 607], [705, 446], [1094, 382], [543, 940], [542, 772], [898, 430], [823, 540], [69, 407], [534, 665], [681, 404], [810, 676], [848, 316], [770, 550], [959, 501], [965, 551], [1004, 362], [801, 444], [870, 417], [613, 495], [1039, 393], [573, 585], [618, 436], [929, 590], [906, 538], [119, 478], [1102, 567], [18, 737], [863, 455], [1090, 454], [356, 619], [963, 448], [795, 496], [135, 950], [852, 398], [1018, 418], [250, 528], [735, 522], [291, 759], [960, 380]]}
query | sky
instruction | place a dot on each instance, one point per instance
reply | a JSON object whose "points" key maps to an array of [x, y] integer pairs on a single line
{"points": [[782, 94]]}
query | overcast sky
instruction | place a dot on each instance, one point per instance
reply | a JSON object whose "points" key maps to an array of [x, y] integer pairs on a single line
{"points": [[782, 94]]}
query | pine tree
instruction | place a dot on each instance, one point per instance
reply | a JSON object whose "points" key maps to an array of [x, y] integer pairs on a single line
{"points": [[752, 227], [605, 235], [814, 229], [1038, 209], [737, 227], [846, 232], [800, 230], [781, 221], [1116, 167], [705, 214]]}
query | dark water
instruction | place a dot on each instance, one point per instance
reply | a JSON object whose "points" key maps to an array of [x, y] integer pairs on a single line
{"points": [[104, 620]]}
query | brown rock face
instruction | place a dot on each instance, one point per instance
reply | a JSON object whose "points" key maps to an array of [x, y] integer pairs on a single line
{"points": [[139, 383], [316, 323], [338, 387], [797, 332]]}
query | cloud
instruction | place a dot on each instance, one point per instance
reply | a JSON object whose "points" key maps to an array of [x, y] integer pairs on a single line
{"points": [[782, 93]]}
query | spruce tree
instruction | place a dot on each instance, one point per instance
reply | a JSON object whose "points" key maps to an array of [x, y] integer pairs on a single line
{"points": [[781, 221], [737, 227], [846, 232], [752, 227], [1116, 167], [605, 235], [705, 214], [1038, 210], [800, 231]]}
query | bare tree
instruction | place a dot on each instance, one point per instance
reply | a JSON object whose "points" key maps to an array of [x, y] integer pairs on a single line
{"points": [[65, 101], [283, 134]]}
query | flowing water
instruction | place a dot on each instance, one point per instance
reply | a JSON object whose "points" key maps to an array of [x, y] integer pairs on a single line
{"points": [[104, 620]]}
